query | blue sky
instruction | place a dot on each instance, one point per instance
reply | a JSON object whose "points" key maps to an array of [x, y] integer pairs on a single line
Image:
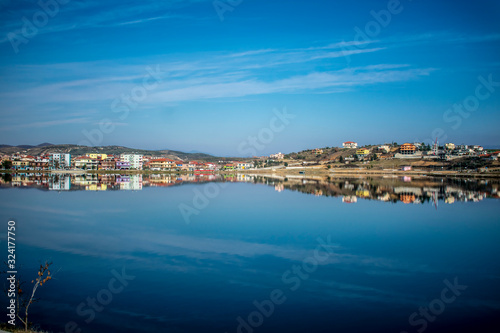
{"points": [[219, 75]]}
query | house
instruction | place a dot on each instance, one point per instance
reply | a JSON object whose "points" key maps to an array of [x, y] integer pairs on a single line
{"points": [[407, 149], [385, 148], [161, 164], [59, 161], [86, 163], [122, 165], [243, 165], [107, 164], [406, 168], [193, 166], [362, 152], [278, 156], [350, 144], [40, 163], [182, 166], [97, 156], [449, 146], [317, 151], [25, 163], [211, 166], [21, 164]]}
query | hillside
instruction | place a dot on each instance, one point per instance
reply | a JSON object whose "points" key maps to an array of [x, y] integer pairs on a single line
{"points": [[46, 148], [328, 154]]}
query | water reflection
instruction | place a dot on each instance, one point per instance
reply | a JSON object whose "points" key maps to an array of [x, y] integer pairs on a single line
{"points": [[390, 189]]}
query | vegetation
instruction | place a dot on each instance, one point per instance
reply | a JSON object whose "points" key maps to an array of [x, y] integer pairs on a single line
{"points": [[24, 300], [6, 164]]}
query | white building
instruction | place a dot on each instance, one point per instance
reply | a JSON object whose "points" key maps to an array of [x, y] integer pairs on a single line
{"points": [[350, 144], [244, 165], [59, 161], [135, 160], [450, 146], [385, 148]]}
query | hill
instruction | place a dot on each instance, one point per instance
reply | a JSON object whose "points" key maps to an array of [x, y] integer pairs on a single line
{"points": [[47, 148]]}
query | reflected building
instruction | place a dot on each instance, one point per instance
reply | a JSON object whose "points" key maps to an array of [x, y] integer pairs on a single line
{"points": [[133, 182], [60, 183], [349, 199]]}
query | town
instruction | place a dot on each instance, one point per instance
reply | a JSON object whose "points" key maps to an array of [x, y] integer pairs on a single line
{"points": [[349, 155]]}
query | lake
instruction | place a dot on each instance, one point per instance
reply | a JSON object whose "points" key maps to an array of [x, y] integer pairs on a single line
{"points": [[245, 253]]}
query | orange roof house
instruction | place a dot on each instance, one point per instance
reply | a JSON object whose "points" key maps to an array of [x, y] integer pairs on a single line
{"points": [[407, 149]]}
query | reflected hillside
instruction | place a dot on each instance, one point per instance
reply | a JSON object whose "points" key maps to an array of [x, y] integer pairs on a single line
{"points": [[390, 189]]}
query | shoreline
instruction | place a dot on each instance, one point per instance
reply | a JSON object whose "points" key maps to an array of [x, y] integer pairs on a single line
{"points": [[296, 172]]}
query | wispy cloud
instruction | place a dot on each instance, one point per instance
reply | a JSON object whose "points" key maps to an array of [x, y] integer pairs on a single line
{"points": [[295, 84], [91, 14], [218, 75], [317, 69], [43, 124]]}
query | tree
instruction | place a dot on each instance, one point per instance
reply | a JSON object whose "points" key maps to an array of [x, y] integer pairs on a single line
{"points": [[7, 164], [341, 159], [286, 164], [23, 300]]}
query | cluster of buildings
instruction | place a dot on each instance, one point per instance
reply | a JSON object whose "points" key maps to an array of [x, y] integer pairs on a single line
{"points": [[418, 150], [131, 161], [64, 161]]}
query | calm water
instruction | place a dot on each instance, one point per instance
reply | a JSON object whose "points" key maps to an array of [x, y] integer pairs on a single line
{"points": [[256, 254]]}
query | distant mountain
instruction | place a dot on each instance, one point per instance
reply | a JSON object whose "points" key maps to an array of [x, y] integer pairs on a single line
{"points": [[27, 146]]}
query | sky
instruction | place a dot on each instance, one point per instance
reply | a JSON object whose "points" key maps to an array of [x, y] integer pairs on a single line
{"points": [[249, 77]]}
